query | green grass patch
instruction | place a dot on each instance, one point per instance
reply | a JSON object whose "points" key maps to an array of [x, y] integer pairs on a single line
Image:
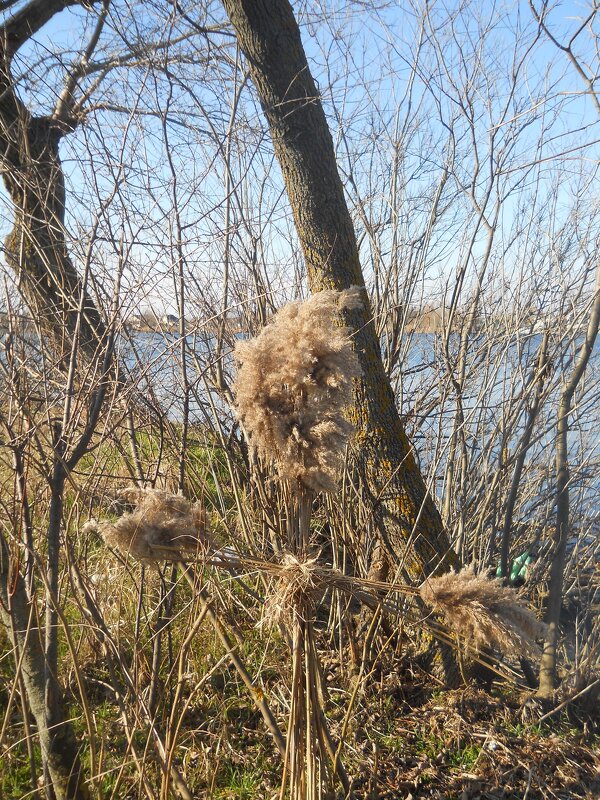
{"points": [[465, 757], [15, 776], [237, 783]]}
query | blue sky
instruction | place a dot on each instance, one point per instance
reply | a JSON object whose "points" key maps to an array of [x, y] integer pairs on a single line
{"points": [[363, 64]]}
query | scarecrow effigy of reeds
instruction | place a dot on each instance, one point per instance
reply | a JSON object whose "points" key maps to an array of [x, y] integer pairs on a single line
{"points": [[294, 382]]}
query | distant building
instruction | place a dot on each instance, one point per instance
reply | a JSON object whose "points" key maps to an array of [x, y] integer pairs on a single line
{"points": [[135, 321], [427, 320]]}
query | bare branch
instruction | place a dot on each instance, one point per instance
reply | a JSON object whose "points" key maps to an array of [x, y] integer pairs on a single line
{"points": [[65, 102], [28, 21]]}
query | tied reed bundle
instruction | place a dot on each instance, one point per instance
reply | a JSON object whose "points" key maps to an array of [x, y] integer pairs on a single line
{"points": [[293, 383], [294, 380], [163, 526], [168, 527], [297, 591], [483, 611]]}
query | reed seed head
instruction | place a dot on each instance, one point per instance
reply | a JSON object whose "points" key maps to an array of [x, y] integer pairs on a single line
{"points": [[293, 383], [483, 611], [163, 526]]}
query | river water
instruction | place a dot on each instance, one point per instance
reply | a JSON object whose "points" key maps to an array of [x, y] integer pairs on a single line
{"points": [[496, 378]]}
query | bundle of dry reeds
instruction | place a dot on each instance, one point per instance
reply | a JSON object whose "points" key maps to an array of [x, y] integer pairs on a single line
{"points": [[483, 612], [162, 527]]}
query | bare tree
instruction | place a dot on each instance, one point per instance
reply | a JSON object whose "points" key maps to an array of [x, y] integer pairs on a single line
{"points": [[32, 173], [563, 528], [409, 524], [59, 299]]}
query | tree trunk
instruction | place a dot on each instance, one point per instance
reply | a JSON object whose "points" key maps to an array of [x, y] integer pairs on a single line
{"points": [[36, 250], [407, 519], [33, 176], [57, 740]]}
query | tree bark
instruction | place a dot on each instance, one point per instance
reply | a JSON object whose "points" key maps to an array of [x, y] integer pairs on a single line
{"points": [[407, 519], [57, 740], [33, 176]]}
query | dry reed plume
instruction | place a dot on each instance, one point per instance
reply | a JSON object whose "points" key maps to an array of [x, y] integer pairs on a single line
{"points": [[163, 526], [294, 380], [483, 611]]}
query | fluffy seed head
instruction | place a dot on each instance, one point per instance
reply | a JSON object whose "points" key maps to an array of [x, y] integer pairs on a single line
{"points": [[483, 611], [163, 526], [293, 382]]}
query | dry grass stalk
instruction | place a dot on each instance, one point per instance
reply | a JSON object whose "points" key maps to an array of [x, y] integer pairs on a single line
{"points": [[483, 611], [163, 526], [293, 383], [311, 758]]}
